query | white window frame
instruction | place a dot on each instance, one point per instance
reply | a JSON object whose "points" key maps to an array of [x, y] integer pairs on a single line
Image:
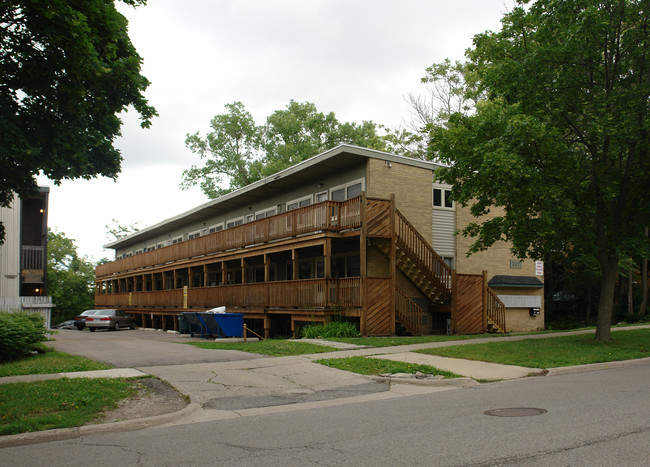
{"points": [[250, 218], [298, 201], [193, 235], [327, 196], [347, 185], [273, 210], [215, 228], [176, 240], [443, 190], [234, 221]]}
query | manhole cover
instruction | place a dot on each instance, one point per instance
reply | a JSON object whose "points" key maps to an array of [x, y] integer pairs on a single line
{"points": [[515, 412]]}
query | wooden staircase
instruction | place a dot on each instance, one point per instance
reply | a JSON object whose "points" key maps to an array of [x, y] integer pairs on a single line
{"points": [[415, 257]]}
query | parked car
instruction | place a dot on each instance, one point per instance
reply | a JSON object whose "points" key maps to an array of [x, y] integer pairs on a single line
{"points": [[109, 319], [80, 320], [69, 324]]}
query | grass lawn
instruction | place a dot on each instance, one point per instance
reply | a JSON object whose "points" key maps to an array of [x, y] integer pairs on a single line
{"points": [[50, 362], [58, 403], [376, 366], [555, 351], [273, 347]]}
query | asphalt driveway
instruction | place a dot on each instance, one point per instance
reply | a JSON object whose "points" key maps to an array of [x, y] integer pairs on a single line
{"points": [[138, 348]]}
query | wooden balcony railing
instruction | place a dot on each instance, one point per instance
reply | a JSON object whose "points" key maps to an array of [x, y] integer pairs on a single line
{"points": [[328, 215], [345, 293], [33, 258]]}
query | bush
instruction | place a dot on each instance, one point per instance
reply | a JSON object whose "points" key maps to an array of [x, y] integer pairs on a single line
{"points": [[20, 333], [330, 330]]}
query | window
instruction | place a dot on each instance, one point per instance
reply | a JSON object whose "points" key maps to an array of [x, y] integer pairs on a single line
{"points": [[250, 218], [177, 240], [320, 197], [347, 191], [265, 213], [234, 222], [299, 203], [192, 235], [346, 266], [215, 228], [449, 261], [442, 198]]}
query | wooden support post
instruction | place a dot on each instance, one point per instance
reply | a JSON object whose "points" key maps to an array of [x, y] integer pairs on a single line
{"points": [[485, 301], [393, 267], [454, 300], [295, 257], [244, 272], [363, 321], [267, 326], [327, 253]]}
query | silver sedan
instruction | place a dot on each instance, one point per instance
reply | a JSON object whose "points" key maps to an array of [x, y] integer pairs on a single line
{"points": [[109, 319]]}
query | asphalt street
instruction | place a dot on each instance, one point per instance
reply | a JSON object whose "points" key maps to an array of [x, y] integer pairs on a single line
{"points": [[597, 418]]}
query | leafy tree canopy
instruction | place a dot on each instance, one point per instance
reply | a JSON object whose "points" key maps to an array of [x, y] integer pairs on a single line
{"points": [[559, 135], [237, 152], [70, 278], [67, 68]]}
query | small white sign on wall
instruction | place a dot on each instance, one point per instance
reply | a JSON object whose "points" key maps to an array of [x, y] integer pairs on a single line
{"points": [[539, 268], [521, 301]]}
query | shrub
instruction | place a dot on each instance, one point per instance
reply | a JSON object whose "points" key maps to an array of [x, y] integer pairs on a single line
{"points": [[330, 330], [20, 333]]}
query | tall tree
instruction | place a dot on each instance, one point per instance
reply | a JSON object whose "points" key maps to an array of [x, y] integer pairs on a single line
{"points": [[70, 277], [67, 68], [561, 138], [237, 152]]}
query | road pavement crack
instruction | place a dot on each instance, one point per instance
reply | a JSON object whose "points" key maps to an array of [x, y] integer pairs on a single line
{"points": [[550, 452]]}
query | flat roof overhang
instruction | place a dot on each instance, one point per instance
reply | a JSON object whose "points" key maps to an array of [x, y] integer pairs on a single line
{"points": [[322, 165]]}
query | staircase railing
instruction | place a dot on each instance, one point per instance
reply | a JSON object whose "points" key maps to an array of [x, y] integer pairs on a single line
{"points": [[496, 311], [423, 255], [410, 314]]}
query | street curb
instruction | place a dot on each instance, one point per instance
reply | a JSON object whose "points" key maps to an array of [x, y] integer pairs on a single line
{"points": [[568, 370], [445, 383], [59, 434]]}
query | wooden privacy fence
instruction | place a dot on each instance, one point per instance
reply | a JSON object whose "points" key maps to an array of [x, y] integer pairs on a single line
{"points": [[283, 294], [475, 305]]}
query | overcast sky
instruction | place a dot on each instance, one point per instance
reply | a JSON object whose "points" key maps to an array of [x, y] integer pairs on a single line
{"points": [[356, 58]]}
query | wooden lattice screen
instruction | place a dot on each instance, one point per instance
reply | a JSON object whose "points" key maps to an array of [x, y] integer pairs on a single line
{"points": [[469, 304], [378, 310]]}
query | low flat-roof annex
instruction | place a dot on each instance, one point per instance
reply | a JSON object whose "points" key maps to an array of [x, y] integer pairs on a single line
{"points": [[321, 165]]}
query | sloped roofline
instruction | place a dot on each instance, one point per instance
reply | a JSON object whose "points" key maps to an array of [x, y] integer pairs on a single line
{"points": [[300, 166]]}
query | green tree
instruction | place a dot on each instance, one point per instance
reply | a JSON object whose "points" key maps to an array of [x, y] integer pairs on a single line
{"points": [[67, 68], [560, 137], [237, 152], [70, 278], [115, 230]]}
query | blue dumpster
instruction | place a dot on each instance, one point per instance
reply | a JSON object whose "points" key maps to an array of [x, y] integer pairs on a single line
{"points": [[224, 324]]}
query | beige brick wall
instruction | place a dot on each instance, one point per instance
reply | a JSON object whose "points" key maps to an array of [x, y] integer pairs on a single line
{"points": [[412, 187], [496, 260], [519, 319]]}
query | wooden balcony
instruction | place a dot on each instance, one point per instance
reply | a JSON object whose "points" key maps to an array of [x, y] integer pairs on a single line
{"points": [[325, 216], [316, 293]]}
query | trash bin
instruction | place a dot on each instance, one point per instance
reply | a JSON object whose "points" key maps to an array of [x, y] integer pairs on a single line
{"points": [[183, 325]]}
